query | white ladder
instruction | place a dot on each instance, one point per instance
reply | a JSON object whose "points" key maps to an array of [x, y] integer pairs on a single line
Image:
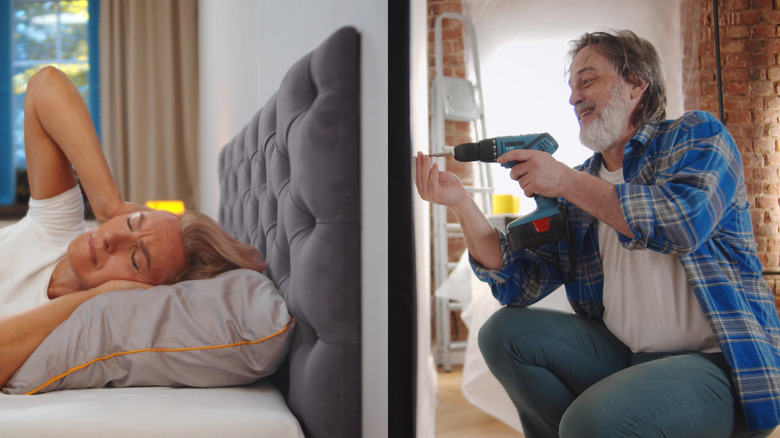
{"points": [[456, 99]]}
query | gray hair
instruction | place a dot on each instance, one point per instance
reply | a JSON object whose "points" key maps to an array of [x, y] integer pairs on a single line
{"points": [[637, 61]]}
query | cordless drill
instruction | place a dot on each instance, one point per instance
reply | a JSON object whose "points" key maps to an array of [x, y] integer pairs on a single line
{"points": [[549, 222]]}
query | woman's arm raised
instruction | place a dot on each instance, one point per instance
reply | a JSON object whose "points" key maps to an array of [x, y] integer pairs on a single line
{"points": [[60, 137]]}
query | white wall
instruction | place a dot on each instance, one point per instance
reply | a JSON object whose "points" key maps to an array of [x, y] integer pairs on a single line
{"points": [[246, 47], [426, 368], [229, 69]]}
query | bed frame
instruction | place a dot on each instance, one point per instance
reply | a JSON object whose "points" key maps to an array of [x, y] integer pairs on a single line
{"points": [[290, 186]]}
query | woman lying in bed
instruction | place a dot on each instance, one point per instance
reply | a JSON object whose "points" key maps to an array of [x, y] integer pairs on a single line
{"points": [[51, 263]]}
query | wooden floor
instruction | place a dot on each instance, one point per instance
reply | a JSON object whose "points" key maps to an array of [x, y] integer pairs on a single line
{"points": [[457, 418]]}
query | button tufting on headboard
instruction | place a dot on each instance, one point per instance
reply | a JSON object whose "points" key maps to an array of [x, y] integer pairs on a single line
{"points": [[290, 186]]}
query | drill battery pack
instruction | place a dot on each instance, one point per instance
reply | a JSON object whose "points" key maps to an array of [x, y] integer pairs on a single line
{"points": [[542, 231]]}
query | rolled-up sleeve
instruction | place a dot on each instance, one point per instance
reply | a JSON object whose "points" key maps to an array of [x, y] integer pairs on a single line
{"points": [[525, 277]]}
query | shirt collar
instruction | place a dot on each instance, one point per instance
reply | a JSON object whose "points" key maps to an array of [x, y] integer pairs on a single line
{"points": [[641, 138], [646, 133], [636, 143]]}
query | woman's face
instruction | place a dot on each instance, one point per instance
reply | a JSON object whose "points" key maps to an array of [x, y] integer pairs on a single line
{"points": [[141, 246]]}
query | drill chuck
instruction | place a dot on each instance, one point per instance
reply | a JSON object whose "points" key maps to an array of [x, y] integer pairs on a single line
{"points": [[489, 149], [483, 151]]}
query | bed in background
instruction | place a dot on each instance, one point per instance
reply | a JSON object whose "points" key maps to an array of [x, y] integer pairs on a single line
{"points": [[289, 185]]}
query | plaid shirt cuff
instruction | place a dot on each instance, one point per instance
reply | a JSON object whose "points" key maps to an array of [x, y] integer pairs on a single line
{"points": [[492, 276]]}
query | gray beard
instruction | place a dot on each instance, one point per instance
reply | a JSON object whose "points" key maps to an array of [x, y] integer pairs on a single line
{"points": [[609, 124]]}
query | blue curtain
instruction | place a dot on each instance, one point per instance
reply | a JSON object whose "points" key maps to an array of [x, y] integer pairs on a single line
{"points": [[7, 169], [7, 172], [93, 32]]}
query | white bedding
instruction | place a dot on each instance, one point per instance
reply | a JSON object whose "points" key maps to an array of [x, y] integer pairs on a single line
{"points": [[242, 411]]}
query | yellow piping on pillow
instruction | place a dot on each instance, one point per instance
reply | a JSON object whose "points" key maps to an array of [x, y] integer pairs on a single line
{"points": [[147, 350]]}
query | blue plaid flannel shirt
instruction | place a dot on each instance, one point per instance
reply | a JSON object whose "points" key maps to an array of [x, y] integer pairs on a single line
{"points": [[684, 195]]}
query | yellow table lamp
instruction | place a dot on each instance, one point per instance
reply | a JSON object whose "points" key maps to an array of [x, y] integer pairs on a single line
{"points": [[175, 207]]}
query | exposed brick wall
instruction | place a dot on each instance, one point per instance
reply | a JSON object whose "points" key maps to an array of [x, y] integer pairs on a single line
{"points": [[750, 64]]}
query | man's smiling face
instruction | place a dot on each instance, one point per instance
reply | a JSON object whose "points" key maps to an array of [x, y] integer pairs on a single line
{"points": [[602, 100]]}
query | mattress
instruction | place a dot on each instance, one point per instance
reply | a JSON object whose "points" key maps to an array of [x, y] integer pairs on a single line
{"points": [[240, 411]]}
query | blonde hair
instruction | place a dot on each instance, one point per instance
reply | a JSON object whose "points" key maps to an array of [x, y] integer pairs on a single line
{"points": [[210, 251]]}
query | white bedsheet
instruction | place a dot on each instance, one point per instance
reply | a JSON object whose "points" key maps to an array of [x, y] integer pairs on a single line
{"points": [[243, 411]]}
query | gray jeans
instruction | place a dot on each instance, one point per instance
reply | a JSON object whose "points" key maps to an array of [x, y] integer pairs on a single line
{"points": [[570, 377]]}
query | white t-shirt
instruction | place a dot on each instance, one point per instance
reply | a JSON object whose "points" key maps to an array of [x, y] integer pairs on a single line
{"points": [[32, 247], [648, 302]]}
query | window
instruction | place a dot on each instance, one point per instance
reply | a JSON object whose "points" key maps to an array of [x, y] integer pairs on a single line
{"points": [[59, 33]]}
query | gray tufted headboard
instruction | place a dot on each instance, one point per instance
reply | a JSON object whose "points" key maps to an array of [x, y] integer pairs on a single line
{"points": [[290, 186]]}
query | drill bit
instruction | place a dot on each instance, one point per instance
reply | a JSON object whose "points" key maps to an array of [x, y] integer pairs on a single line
{"points": [[441, 154]]}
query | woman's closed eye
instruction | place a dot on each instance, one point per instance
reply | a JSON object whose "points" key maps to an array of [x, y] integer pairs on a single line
{"points": [[133, 259]]}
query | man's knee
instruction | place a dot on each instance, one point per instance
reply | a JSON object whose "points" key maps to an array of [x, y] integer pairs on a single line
{"points": [[496, 331], [489, 338], [499, 337]]}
